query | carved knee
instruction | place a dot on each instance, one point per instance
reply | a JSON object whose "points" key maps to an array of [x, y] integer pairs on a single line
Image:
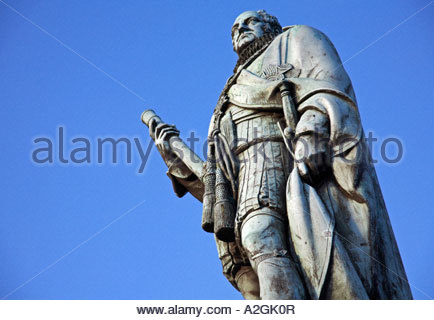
{"points": [[262, 236]]}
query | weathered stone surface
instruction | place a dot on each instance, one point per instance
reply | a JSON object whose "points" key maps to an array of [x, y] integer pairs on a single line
{"points": [[288, 186]]}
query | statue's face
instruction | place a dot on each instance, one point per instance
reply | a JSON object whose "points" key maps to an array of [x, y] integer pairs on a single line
{"points": [[246, 28]]}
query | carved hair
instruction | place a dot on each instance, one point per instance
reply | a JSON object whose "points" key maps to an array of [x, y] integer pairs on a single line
{"points": [[272, 24]]}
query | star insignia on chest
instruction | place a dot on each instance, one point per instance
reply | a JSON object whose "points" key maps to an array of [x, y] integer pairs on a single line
{"points": [[275, 72]]}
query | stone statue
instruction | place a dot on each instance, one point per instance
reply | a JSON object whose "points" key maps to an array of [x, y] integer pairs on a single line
{"points": [[288, 187]]}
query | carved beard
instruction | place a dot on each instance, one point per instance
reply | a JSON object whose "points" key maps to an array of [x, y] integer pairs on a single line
{"points": [[253, 47]]}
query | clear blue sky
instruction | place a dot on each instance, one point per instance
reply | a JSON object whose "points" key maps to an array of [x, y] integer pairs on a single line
{"points": [[66, 231]]}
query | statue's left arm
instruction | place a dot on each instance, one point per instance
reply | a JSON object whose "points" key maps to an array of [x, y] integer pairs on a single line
{"points": [[329, 123]]}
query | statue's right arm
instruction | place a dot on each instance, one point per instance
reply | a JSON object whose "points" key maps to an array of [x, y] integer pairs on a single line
{"points": [[183, 179]]}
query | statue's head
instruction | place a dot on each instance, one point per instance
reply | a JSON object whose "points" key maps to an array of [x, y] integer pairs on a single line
{"points": [[251, 25]]}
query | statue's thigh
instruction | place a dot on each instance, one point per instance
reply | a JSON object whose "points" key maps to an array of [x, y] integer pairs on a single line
{"points": [[264, 233]]}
